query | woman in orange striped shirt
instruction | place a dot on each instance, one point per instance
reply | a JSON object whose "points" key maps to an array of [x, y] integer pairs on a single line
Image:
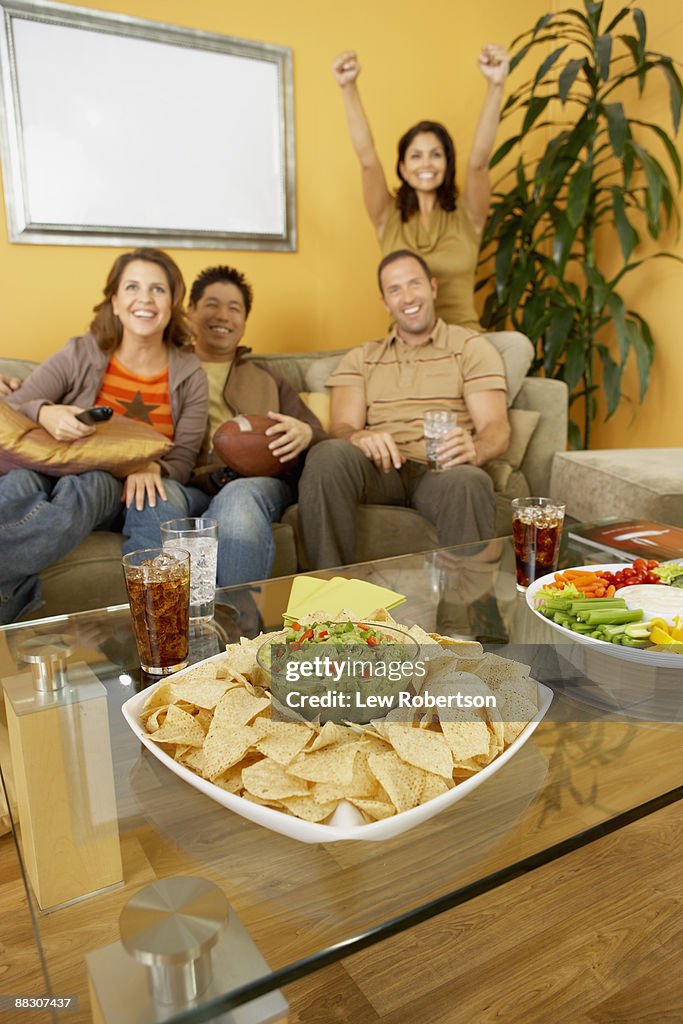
{"points": [[135, 358]]}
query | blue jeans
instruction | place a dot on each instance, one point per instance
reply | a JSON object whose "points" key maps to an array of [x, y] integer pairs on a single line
{"points": [[245, 510], [42, 518]]}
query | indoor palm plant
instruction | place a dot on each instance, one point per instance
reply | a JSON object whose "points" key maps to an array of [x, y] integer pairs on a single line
{"points": [[548, 263]]}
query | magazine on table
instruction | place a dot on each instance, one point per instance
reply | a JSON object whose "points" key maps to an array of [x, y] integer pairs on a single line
{"points": [[634, 538]]}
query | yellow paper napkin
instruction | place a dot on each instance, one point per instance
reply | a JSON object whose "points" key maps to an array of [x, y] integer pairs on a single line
{"points": [[309, 594]]}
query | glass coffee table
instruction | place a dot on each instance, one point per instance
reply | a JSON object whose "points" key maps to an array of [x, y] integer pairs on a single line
{"points": [[608, 752]]}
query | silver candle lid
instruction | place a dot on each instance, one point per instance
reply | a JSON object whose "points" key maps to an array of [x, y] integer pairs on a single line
{"points": [[47, 656], [171, 927]]}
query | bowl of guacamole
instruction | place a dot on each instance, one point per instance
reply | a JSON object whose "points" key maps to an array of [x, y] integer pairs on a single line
{"points": [[339, 671]]}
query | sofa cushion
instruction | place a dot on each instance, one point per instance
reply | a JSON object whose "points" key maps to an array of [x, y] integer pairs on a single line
{"points": [[318, 372], [517, 353], [523, 423], [20, 368], [119, 447], [89, 576], [383, 531], [642, 483]]}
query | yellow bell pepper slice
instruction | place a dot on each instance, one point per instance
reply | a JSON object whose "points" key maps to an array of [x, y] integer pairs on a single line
{"points": [[660, 636]]}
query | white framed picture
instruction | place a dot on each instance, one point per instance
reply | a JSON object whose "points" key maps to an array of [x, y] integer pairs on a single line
{"points": [[122, 131]]}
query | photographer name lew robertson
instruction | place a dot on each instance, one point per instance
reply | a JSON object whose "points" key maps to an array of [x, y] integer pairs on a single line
{"points": [[323, 682]]}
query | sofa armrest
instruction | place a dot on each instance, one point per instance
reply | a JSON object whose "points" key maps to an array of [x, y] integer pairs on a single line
{"points": [[17, 368], [550, 398]]}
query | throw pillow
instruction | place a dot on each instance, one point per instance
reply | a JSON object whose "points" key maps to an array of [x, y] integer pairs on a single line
{"points": [[319, 370], [319, 405], [523, 423], [119, 447]]}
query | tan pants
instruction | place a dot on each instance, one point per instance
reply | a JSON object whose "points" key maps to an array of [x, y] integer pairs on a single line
{"points": [[338, 477]]}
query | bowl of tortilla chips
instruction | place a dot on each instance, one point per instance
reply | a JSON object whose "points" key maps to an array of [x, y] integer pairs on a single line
{"points": [[213, 726]]}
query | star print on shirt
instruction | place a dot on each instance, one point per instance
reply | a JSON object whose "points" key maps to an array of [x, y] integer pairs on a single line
{"points": [[137, 409]]}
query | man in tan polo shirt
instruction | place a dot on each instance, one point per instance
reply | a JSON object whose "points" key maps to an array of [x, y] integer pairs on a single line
{"points": [[380, 392]]}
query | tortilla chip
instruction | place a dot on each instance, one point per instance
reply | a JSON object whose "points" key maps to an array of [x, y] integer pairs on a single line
{"points": [[160, 695], [179, 727], [270, 781], [402, 782], [434, 785], [231, 780], [466, 739], [202, 692], [330, 734], [422, 748], [308, 808], [282, 741], [374, 810], [494, 670], [237, 706], [224, 746], [195, 759], [332, 764], [460, 648]]}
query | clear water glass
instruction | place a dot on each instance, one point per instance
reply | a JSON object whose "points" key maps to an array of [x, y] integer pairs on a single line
{"points": [[199, 536], [436, 426]]}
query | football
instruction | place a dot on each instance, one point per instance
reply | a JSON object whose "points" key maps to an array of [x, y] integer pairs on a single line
{"points": [[241, 443]]}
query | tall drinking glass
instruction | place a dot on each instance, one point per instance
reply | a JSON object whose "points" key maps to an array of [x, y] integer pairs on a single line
{"points": [[158, 585], [536, 530], [200, 538], [437, 425]]}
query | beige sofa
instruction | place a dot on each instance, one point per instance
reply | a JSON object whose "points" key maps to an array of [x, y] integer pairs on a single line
{"points": [[90, 576]]}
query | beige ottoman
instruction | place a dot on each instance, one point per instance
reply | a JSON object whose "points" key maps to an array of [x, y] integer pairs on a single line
{"points": [[630, 483]]}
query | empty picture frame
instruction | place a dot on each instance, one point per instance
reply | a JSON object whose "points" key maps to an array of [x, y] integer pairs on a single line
{"points": [[122, 131]]}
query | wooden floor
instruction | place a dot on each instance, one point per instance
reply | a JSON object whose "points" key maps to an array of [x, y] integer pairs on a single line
{"points": [[594, 938]]}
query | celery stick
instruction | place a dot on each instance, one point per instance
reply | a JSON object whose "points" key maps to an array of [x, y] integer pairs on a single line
{"points": [[612, 631], [558, 604], [637, 631], [610, 617], [597, 602]]}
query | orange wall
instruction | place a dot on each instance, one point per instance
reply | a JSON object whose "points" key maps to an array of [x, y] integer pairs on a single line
{"points": [[656, 289], [417, 63]]}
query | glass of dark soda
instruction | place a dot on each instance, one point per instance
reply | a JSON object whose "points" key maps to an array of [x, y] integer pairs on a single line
{"points": [[158, 585], [536, 531]]}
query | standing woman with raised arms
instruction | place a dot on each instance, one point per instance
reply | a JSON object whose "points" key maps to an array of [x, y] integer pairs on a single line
{"points": [[427, 215]]}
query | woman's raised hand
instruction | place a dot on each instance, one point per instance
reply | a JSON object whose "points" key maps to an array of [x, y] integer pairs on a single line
{"points": [[346, 68], [494, 63]]}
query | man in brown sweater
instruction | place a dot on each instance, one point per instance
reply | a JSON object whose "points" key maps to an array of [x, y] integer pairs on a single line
{"points": [[246, 507]]}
